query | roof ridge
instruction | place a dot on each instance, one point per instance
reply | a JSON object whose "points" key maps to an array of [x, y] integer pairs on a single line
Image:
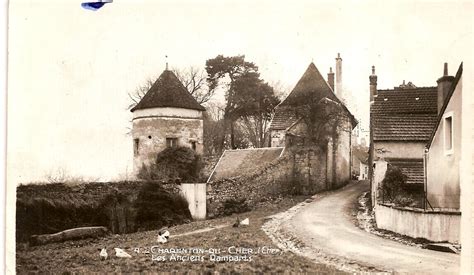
{"points": [[255, 149], [407, 89]]}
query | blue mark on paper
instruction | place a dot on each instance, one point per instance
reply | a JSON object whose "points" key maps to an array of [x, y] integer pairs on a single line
{"points": [[95, 5]]}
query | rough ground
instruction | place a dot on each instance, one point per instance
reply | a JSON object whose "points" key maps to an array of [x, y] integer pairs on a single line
{"points": [[82, 256], [328, 235]]}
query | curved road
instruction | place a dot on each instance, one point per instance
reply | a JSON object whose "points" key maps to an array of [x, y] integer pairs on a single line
{"points": [[325, 225]]}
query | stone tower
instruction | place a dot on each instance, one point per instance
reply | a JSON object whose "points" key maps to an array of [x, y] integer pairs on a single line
{"points": [[167, 116]]}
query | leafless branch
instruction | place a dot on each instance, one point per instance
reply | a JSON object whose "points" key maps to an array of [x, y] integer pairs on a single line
{"points": [[194, 80]]}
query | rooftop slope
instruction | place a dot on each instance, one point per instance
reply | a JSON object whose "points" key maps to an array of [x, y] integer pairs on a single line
{"points": [[168, 91], [235, 163], [311, 85], [404, 114], [412, 168]]}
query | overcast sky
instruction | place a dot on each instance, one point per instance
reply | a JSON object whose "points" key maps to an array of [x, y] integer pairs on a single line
{"points": [[70, 69]]}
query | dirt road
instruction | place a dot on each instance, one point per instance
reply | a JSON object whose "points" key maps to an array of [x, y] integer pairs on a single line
{"points": [[325, 227]]}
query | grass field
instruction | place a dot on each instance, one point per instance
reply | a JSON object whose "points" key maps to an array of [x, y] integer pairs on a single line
{"points": [[82, 256]]}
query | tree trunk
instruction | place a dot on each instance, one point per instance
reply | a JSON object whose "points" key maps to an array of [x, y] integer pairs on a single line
{"points": [[232, 141], [224, 134], [70, 234], [261, 136]]}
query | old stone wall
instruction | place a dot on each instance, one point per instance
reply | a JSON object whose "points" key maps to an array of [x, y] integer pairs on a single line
{"points": [[309, 169], [342, 156], [298, 171], [150, 134], [259, 186], [277, 138]]}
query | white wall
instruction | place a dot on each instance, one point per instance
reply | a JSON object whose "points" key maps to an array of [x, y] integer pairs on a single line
{"points": [[167, 112], [363, 171], [443, 189], [394, 149], [378, 176], [434, 226], [467, 171], [195, 194]]}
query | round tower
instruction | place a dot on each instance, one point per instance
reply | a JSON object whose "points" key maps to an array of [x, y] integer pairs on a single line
{"points": [[167, 116]]}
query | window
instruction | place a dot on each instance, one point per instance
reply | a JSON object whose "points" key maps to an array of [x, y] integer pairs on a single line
{"points": [[171, 142], [193, 145], [448, 133], [136, 144]]}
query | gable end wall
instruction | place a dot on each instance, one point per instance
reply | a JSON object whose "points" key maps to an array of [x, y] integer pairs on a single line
{"points": [[443, 190]]}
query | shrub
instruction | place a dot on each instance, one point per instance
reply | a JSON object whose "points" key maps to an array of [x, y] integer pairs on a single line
{"points": [[232, 206], [117, 212], [50, 208], [157, 208], [44, 216], [393, 182], [173, 163], [396, 189]]}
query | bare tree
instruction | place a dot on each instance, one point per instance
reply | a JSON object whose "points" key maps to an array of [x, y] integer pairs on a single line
{"points": [[324, 119], [139, 93], [215, 110], [256, 129], [194, 80]]}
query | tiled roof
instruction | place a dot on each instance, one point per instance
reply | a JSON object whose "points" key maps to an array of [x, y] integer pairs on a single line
{"points": [[283, 118], [403, 127], [404, 114], [235, 163], [413, 168], [406, 101], [168, 91], [311, 85]]}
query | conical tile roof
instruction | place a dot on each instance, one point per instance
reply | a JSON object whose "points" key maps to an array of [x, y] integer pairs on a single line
{"points": [[311, 85], [168, 91]]}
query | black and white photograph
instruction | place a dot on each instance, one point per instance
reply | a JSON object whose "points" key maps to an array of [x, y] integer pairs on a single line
{"points": [[239, 137]]}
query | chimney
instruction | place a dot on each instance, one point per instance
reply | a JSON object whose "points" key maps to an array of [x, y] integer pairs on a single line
{"points": [[339, 76], [331, 79], [444, 84], [373, 85]]}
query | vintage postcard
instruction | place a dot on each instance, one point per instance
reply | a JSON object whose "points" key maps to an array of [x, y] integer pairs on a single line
{"points": [[211, 136]]}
